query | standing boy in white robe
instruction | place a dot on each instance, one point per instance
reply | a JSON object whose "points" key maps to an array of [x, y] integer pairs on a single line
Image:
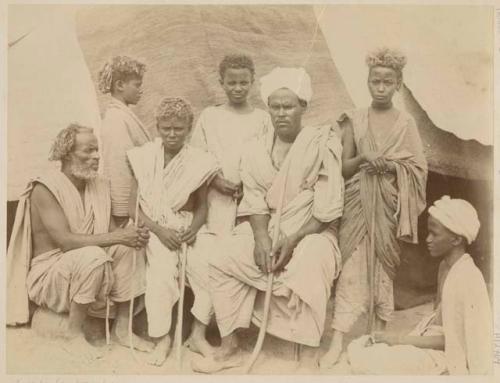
{"points": [[224, 130]]}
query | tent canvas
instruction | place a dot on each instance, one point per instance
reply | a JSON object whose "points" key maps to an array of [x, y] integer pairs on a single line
{"points": [[182, 46]]}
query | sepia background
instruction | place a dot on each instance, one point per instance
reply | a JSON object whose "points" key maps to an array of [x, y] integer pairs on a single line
{"points": [[55, 53]]}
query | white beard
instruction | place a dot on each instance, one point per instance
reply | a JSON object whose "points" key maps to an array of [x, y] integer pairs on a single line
{"points": [[83, 172]]}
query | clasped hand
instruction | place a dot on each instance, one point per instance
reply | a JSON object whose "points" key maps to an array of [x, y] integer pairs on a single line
{"points": [[375, 163], [134, 236], [227, 187], [173, 238], [272, 259]]}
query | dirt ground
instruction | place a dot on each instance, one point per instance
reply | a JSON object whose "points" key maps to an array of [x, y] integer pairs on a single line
{"points": [[29, 352]]}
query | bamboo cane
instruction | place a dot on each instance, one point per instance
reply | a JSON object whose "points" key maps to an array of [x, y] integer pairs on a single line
{"points": [[180, 306], [132, 292], [269, 287], [371, 264]]}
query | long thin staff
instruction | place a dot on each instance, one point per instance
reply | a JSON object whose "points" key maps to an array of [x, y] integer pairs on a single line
{"points": [[269, 287], [132, 292], [180, 306], [371, 262]]}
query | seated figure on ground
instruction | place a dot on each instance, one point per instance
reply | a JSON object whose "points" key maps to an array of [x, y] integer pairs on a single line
{"points": [[171, 180], [66, 253], [456, 338], [303, 163]]}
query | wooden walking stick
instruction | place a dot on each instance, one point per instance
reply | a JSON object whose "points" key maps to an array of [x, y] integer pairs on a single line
{"points": [[132, 292], [371, 262], [180, 306], [269, 288]]}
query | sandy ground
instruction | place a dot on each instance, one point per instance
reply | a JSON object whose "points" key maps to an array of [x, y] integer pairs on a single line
{"points": [[29, 352]]}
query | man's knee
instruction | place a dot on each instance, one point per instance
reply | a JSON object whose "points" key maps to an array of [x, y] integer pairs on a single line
{"points": [[314, 246], [121, 253], [86, 260], [221, 257], [90, 253]]}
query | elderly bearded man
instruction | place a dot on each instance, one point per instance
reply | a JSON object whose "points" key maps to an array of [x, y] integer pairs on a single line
{"points": [[66, 253], [306, 162]]}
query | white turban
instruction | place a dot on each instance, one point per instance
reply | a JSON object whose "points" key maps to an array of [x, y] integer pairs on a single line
{"points": [[295, 79], [458, 216]]}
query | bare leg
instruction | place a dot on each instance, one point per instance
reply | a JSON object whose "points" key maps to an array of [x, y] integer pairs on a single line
{"points": [[308, 363], [332, 356], [76, 343], [120, 330], [161, 351], [379, 324], [197, 341], [226, 356]]}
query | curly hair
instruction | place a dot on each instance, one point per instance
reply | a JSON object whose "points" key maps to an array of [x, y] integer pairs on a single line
{"points": [[65, 141], [236, 61], [388, 58], [174, 107], [119, 68]]}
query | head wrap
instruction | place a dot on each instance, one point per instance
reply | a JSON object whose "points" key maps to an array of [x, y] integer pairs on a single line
{"points": [[295, 79], [458, 216]]}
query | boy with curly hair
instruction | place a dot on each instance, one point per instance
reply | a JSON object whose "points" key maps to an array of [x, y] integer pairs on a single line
{"points": [[122, 130]]}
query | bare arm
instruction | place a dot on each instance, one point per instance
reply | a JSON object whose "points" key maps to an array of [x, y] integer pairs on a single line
{"points": [[260, 224], [263, 242], [56, 224], [148, 222], [435, 342], [284, 248], [310, 227], [350, 161], [168, 237], [199, 215]]}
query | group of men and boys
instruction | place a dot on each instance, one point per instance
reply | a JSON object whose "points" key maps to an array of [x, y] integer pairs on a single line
{"points": [[339, 197]]}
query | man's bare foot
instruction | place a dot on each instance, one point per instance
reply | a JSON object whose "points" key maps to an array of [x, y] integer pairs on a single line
{"points": [[78, 347], [331, 357], [122, 338], [200, 346], [214, 364], [308, 361], [161, 351]]}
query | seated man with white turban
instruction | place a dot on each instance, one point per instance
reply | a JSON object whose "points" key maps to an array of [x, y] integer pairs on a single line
{"points": [[300, 168], [456, 337]]}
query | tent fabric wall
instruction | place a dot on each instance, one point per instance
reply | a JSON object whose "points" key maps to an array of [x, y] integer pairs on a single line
{"points": [[182, 46], [49, 86]]}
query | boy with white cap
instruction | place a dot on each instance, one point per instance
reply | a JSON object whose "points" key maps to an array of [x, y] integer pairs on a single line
{"points": [[456, 338]]}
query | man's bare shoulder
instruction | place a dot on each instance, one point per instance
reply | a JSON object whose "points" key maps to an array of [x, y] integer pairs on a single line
{"points": [[42, 196]]}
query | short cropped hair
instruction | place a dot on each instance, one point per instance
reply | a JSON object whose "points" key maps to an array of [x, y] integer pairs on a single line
{"points": [[174, 107], [388, 58], [65, 141], [236, 61], [119, 68]]}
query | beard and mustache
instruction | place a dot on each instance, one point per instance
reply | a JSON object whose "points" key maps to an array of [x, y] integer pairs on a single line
{"points": [[84, 172]]}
